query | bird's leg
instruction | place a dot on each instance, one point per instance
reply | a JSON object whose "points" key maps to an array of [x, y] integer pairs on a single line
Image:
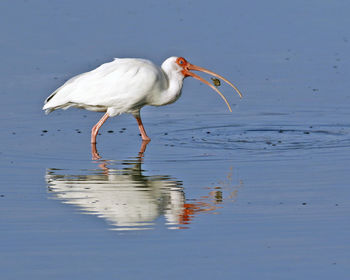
{"points": [[142, 129], [94, 152], [96, 127], [143, 148]]}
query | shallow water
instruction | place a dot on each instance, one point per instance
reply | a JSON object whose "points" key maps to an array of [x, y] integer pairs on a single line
{"points": [[260, 193]]}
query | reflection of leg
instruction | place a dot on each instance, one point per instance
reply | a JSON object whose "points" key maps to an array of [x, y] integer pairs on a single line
{"points": [[143, 147], [104, 167], [94, 152], [96, 127]]}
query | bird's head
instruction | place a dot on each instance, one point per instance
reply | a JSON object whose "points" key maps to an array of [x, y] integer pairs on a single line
{"points": [[181, 65]]}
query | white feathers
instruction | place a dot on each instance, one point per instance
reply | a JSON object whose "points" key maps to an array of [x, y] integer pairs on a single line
{"points": [[121, 86]]}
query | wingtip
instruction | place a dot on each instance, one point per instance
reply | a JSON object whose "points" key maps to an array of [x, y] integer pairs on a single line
{"points": [[47, 110]]}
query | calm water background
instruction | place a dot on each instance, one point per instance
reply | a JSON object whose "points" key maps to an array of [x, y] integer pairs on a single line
{"points": [[260, 193]]}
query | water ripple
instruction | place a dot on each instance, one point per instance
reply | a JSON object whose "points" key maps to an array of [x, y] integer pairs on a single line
{"points": [[260, 138]]}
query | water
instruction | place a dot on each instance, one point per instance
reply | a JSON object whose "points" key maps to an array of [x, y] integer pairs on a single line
{"points": [[260, 193]]}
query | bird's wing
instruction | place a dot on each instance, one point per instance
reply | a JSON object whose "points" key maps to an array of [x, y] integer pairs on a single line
{"points": [[122, 84]]}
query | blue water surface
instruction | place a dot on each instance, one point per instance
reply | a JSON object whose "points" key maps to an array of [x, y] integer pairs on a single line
{"points": [[260, 193]]}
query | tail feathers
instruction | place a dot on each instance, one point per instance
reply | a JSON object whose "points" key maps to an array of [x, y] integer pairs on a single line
{"points": [[48, 111], [51, 104], [50, 96], [49, 108]]}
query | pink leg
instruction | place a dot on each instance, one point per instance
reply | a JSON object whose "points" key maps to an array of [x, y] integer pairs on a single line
{"points": [[96, 127], [94, 152], [143, 147], [142, 129]]}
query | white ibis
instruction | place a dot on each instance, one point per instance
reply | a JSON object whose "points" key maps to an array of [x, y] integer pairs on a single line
{"points": [[125, 85]]}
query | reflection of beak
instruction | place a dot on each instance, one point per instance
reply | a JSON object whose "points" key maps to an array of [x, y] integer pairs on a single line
{"points": [[190, 66]]}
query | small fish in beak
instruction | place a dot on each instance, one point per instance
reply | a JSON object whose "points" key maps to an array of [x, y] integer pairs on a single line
{"points": [[186, 72], [216, 82]]}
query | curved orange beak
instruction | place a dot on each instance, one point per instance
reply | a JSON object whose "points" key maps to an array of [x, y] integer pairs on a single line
{"points": [[186, 72]]}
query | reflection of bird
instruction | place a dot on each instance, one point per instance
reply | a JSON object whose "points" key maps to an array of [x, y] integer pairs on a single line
{"points": [[127, 199], [125, 86]]}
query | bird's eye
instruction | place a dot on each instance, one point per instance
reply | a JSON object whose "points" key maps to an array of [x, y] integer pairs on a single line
{"points": [[181, 61]]}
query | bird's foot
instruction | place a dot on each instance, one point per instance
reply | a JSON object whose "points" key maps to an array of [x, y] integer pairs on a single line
{"points": [[94, 152]]}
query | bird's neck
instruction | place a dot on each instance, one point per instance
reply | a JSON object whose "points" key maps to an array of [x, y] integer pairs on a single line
{"points": [[173, 90]]}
